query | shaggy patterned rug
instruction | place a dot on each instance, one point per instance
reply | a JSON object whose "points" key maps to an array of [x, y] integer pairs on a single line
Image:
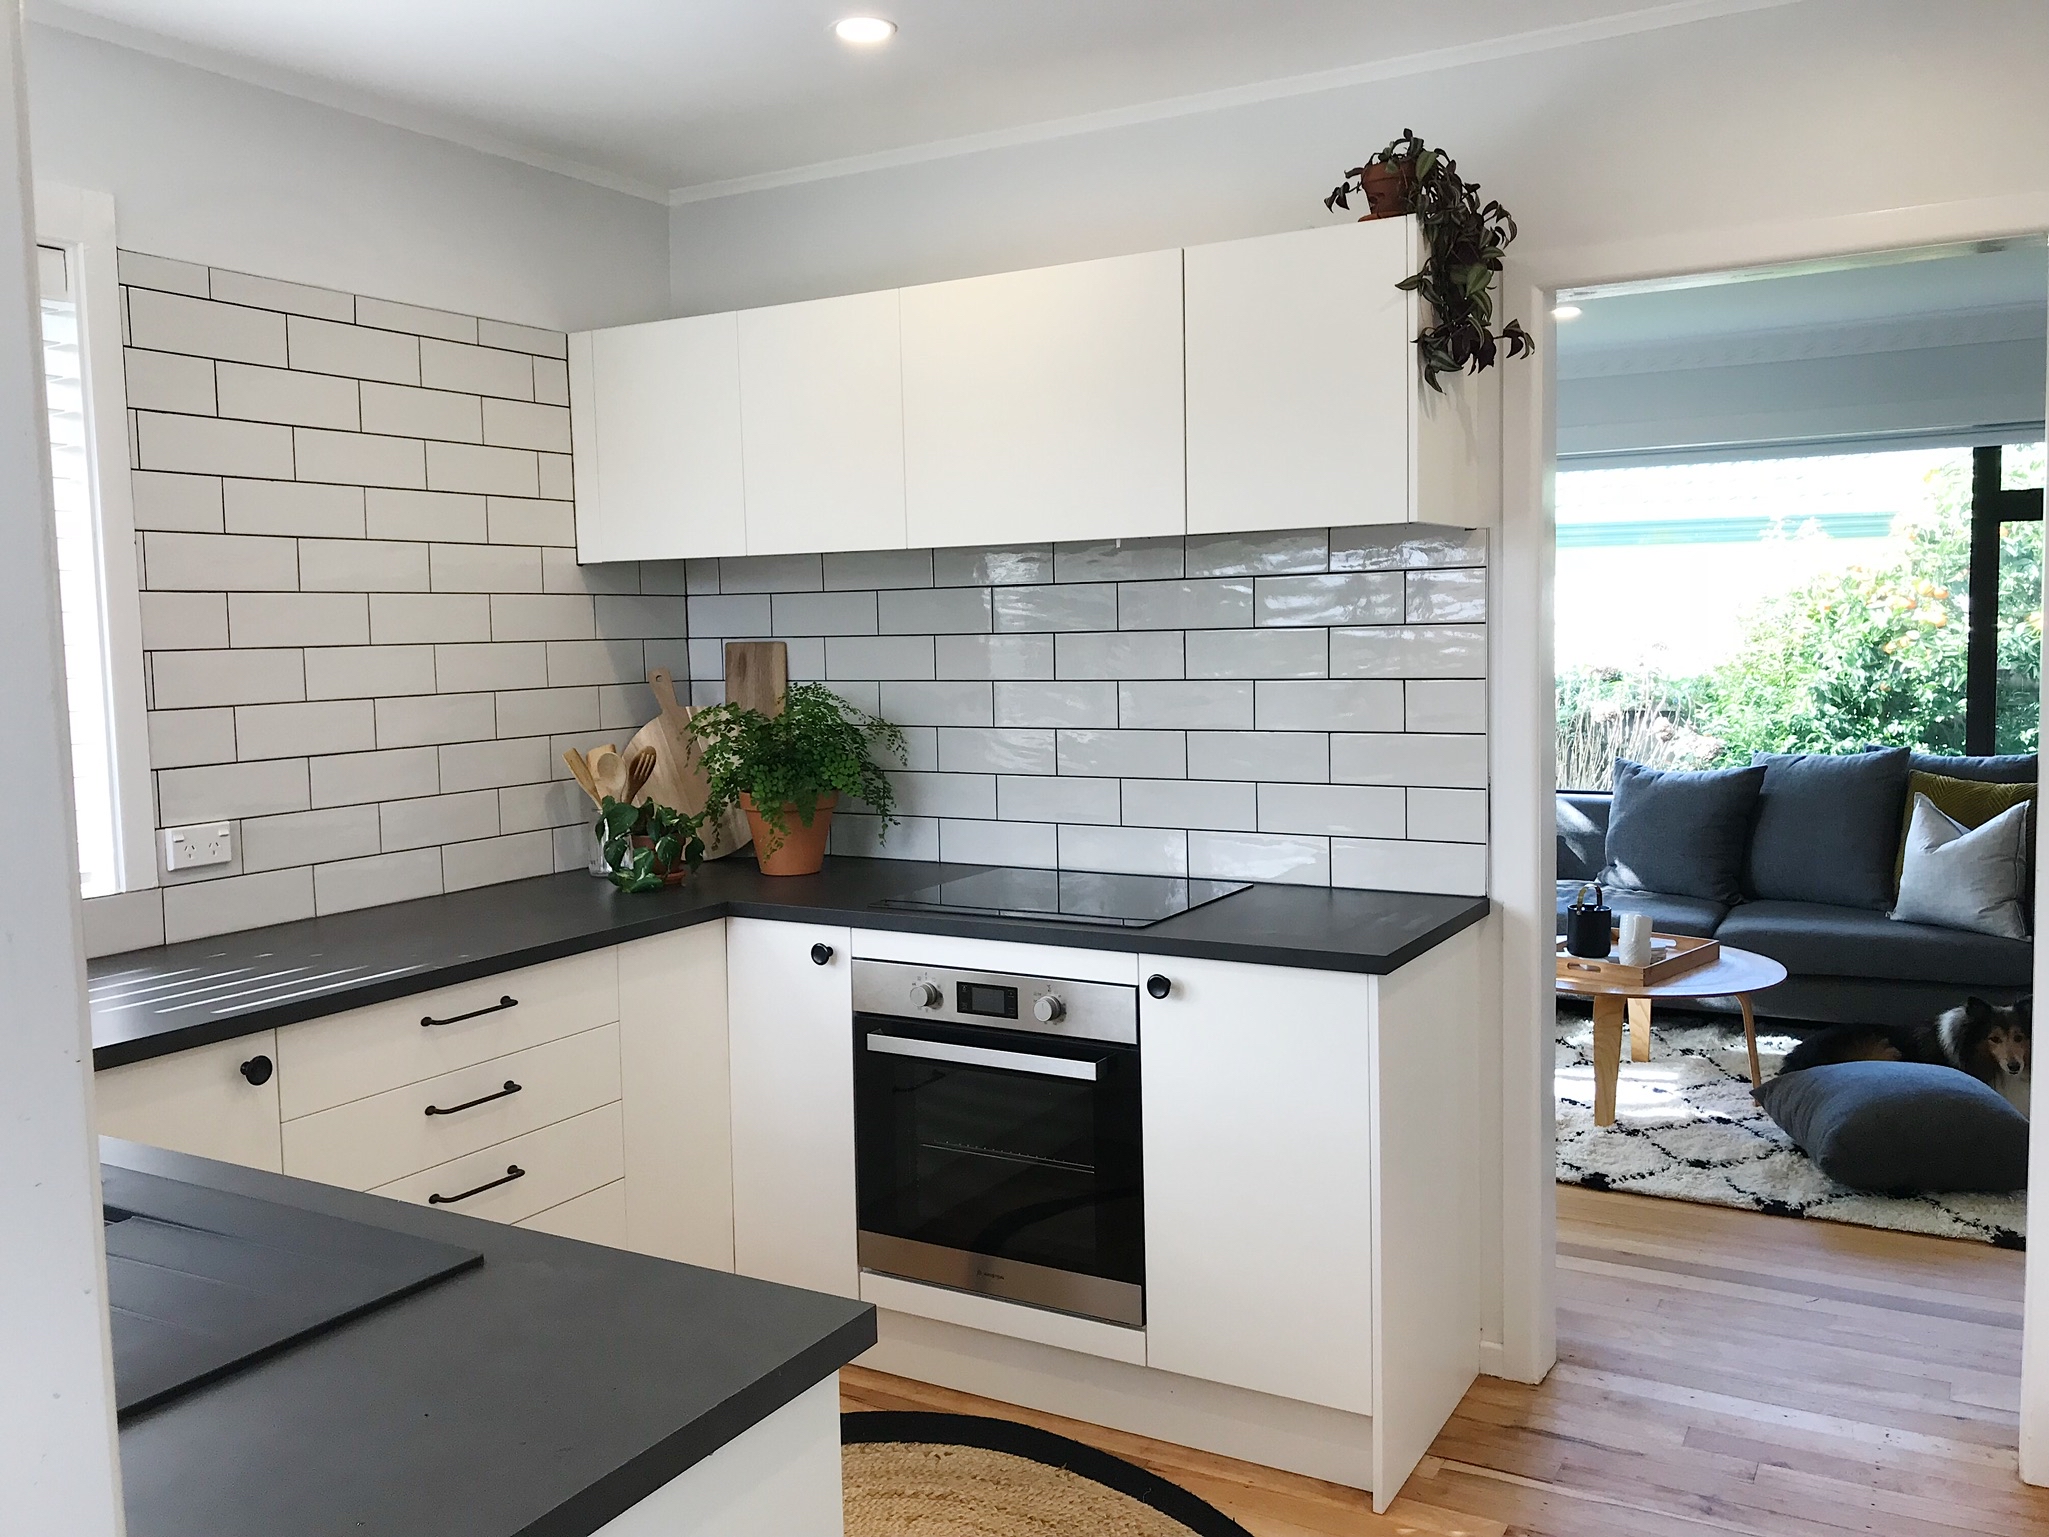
{"points": [[1687, 1129]]}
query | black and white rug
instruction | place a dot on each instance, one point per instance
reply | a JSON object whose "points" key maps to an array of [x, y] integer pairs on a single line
{"points": [[1687, 1129]]}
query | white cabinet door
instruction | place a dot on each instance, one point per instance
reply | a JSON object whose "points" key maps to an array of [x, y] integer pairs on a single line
{"points": [[655, 426], [1046, 404], [1258, 1178], [200, 1100], [791, 1036], [672, 1051], [1301, 371], [821, 406]]}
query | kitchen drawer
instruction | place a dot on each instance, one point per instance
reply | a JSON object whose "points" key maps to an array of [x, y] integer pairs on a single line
{"points": [[371, 1142], [596, 1217], [217, 1101], [327, 1062], [558, 1164]]}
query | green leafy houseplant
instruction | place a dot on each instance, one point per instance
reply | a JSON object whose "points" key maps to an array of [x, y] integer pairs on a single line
{"points": [[648, 846], [819, 746], [1466, 240]]}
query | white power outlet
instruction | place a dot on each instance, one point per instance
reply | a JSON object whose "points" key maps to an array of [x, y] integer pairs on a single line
{"points": [[192, 848]]}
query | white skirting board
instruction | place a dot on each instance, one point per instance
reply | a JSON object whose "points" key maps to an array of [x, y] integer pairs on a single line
{"points": [[1254, 1427], [781, 1478]]}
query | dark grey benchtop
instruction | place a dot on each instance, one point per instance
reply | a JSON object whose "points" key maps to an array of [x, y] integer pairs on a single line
{"points": [[151, 1002], [537, 1395]]}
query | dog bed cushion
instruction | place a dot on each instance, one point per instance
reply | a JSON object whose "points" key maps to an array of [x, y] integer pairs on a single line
{"points": [[1828, 827], [1681, 831], [1901, 1127]]}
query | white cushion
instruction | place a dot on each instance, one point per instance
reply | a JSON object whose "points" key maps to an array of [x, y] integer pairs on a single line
{"points": [[1965, 878]]}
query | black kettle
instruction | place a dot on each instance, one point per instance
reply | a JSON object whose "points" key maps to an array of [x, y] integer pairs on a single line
{"points": [[1589, 926]]}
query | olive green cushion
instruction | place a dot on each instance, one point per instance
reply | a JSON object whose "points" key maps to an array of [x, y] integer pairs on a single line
{"points": [[1970, 803]]}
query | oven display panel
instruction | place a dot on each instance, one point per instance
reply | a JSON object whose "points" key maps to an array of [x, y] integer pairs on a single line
{"points": [[985, 999]]}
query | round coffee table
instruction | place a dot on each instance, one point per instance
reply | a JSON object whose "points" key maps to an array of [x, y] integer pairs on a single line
{"points": [[1734, 973]]}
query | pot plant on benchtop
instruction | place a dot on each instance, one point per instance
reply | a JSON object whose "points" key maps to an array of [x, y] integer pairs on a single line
{"points": [[788, 771], [1466, 239], [649, 846]]}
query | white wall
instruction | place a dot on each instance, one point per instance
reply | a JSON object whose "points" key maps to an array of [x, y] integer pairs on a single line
{"points": [[210, 170], [1822, 108]]}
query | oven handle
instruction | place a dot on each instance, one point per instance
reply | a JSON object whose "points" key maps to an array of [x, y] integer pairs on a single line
{"points": [[982, 1056]]}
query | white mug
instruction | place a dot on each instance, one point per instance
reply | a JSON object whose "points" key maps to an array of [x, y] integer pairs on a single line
{"points": [[1635, 948]]}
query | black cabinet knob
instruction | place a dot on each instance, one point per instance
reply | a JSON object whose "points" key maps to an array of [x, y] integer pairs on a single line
{"points": [[1158, 985], [258, 1070], [821, 955]]}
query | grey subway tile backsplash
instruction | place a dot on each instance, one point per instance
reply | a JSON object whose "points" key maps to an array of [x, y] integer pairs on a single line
{"points": [[1358, 597], [822, 613], [1447, 597], [1214, 604], [1410, 546], [1269, 653], [1088, 606], [1257, 554], [986, 566], [934, 611], [993, 656], [1117, 560], [1409, 651], [1119, 655]]}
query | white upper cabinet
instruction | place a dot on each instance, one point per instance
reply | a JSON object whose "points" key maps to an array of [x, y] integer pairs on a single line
{"points": [[1306, 406], [821, 406], [1045, 404], [655, 424]]}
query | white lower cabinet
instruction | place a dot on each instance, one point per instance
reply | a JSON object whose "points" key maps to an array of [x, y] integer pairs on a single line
{"points": [[217, 1101], [790, 1016], [596, 1216], [1259, 1148], [521, 1177]]}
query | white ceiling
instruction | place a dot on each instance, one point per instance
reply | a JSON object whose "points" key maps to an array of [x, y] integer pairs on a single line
{"points": [[663, 95]]}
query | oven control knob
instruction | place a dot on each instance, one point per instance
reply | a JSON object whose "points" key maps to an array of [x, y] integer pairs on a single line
{"points": [[925, 995], [1049, 1009]]}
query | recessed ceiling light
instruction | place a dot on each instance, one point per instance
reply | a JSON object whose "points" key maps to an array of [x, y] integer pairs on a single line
{"points": [[1566, 312], [864, 30]]}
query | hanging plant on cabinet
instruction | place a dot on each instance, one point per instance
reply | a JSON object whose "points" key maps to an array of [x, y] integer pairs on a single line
{"points": [[1465, 240]]}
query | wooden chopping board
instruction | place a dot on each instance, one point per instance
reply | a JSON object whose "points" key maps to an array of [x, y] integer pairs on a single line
{"points": [[757, 674], [678, 779]]}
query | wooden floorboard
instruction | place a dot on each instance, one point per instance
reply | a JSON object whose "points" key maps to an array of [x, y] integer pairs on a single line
{"points": [[1719, 1372]]}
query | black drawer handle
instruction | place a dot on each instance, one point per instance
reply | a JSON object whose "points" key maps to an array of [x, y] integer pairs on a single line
{"points": [[821, 955], [257, 1070], [471, 1104], [1158, 985], [507, 1002], [512, 1172]]}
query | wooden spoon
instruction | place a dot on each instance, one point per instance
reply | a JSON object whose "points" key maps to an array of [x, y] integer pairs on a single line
{"points": [[608, 771], [582, 771]]}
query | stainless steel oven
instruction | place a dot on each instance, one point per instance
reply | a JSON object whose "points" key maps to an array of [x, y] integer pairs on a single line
{"points": [[996, 1124]]}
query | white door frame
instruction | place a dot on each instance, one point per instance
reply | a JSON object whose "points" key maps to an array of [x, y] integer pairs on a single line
{"points": [[1522, 724]]}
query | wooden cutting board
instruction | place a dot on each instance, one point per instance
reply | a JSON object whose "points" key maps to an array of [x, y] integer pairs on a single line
{"points": [[757, 674], [678, 779]]}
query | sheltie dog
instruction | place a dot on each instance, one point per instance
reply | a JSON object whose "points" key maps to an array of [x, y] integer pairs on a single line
{"points": [[1991, 1042]]}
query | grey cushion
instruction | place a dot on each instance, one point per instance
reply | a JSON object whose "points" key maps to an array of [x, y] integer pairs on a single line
{"points": [[1965, 878], [1683, 832], [1901, 1126], [1582, 835], [2019, 768], [1828, 827], [1669, 915], [1810, 940]]}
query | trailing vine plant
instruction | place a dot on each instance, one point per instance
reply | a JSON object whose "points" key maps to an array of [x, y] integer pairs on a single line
{"points": [[644, 844], [819, 745], [1466, 239]]}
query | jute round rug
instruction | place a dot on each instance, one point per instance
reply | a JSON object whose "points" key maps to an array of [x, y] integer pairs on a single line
{"points": [[960, 1475]]}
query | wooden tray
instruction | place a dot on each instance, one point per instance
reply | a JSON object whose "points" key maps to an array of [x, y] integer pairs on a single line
{"points": [[1688, 953]]}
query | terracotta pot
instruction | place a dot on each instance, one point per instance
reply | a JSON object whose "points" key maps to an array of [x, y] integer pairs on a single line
{"points": [[674, 877], [1387, 190], [801, 851]]}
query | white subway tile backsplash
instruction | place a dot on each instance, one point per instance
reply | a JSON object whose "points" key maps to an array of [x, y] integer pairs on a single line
{"points": [[547, 711], [298, 619], [492, 568], [206, 908], [439, 517], [1262, 554], [920, 703], [421, 618], [218, 563], [362, 566], [140, 271], [1269, 653], [487, 765], [1391, 865], [1056, 704], [945, 795], [170, 322], [1031, 844], [518, 338], [446, 365], [1214, 604], [867, 837], [530, 807], [729, 617], [308, 837], [185, 679], [282, 507], [525, 424], [282, 395], [537, 616], [1218, 804], [368, 672], [823, 613], [356, 883], [1447, 597], [1447, 704], [1117, 560], [558, 476], [1448, 816], [871, 570], [654, 618], [1407, 546], [491, 665], [1360, 811], [1295, 756], [386, 316], [436, 819], [1122, 754], [1409, 759], [1410, 651], [772, 573], [270, 294], [359, 352], [490, 861], [226, 790], [1088, 607], [995, 750], [421, 720], [934, 611], [297, 730], [404, 411], [1135, 850], [207, 445], [528, 520], [169, 381], [184, 621], [992, 566], [478, 468], [1367, 597], [183, 738], [360, 458], [176, 503], [625, 707], [993, 656], [551, 381], [1178, 705], [1232, 856], [358, 778], [1334, 705], [876, 656], [1057, 798], [1118, 655], [580, 663]]}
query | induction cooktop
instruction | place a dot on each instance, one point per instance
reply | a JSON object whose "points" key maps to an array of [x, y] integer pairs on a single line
{"points": [[1065, 896]]}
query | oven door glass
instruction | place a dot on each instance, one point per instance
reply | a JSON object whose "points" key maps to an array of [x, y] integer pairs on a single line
{"points": [[1003, 1143]]}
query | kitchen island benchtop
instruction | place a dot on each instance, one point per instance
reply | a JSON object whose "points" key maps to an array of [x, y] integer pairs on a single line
{"points": [[540, 1394], [148, 1003]]}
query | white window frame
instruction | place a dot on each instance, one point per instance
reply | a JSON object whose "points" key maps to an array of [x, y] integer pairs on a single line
{"points": [[81, 224]]}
